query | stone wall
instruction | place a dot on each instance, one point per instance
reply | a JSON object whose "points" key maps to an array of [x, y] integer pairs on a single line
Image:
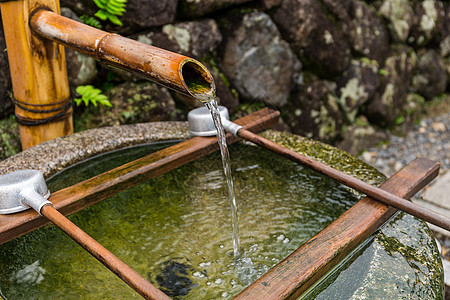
{"points": [[342, 72]]}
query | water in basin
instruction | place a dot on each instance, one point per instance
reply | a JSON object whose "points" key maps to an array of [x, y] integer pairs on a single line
{"points": [[176, 231], [180, 223]]}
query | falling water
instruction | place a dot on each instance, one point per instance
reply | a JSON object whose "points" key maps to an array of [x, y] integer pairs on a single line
{"points": [[212, 106]]}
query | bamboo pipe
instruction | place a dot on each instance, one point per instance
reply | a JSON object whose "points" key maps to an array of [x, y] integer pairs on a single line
{"points": [[39, 77], [118, 267], [178, 72], [359, 185]]}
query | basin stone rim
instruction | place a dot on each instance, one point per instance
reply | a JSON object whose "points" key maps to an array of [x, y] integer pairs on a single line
{"points": [[55, 155]]}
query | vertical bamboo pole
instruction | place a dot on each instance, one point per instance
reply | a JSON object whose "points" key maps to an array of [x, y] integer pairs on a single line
{"points": [[38, 74]]}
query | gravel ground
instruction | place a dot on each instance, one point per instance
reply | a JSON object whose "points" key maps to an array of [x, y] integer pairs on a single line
{"points": [[429, 139]]}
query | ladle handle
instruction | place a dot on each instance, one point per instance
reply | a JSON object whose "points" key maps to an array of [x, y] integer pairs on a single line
{"points": [[359, 185], [118, 267]]}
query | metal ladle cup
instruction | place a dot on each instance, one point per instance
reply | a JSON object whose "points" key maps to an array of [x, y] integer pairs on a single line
{"points": [[201, 122], [21, 190]]}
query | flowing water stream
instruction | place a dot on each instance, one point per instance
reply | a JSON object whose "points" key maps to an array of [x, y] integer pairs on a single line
{"points": [[212, 106]]}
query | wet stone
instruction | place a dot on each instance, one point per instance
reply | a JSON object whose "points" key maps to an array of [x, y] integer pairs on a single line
{"points": [[193, 38], [313, 111], [430, 78], [363, 28], [389, 100], [318, 42], [428, 20], [198, 8], [357, 85], [258, 62], [81, 70], [400, 15], [142, 14], [359, 138], [131, 103]]}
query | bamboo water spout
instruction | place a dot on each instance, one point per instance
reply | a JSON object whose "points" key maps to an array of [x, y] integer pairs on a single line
{"points": [[178, 72]]}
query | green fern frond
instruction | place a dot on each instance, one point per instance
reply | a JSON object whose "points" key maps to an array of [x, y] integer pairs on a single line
{"points": [[111, 10], [91, 21], [89, 94]]}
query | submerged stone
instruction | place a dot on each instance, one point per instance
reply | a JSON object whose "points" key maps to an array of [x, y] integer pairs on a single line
{"points": [[174, 280]]}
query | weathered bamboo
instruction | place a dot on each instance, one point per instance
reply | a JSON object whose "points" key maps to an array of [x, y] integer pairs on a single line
{"points": [[38, 74], [355, 183], [118, 267], [305, 266], [173, 70], [98, 188]]}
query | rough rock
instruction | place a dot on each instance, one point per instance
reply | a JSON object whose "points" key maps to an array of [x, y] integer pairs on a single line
{"points": [[428, 20], [430, 78], [387, 104], [318, 42], [258, 62], [9, 138], [269, 4], [81, 69], [364, 29], [132, 103], [357, 86], [411, 111], [400, 15], [444, 44], [313, 111], [357, 138], [198, 8], [194, 38], [6, 105], [142, 14], [80, 7]]}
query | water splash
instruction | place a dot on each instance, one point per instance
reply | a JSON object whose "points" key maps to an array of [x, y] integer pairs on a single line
{"points": [[212, 106]]}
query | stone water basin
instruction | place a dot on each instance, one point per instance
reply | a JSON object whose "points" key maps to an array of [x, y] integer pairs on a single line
{"points": [[176, 229]]}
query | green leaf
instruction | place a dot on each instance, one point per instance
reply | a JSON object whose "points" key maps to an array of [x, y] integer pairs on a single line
{"points": [[383, 72], [115, 20], [100, 4], [77, 101], [89, 94], [102, 15]]}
